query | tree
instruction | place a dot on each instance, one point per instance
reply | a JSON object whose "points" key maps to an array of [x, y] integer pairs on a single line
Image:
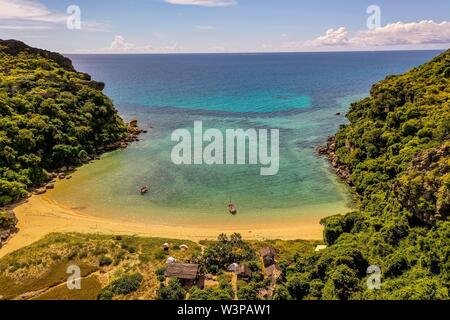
{"points": [[341, 284], [281, 293], [333, 228], [173, 291], [298, 286], [248, 292]]}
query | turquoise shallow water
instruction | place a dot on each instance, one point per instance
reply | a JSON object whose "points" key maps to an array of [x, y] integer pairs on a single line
{"points": [[299, 94]]}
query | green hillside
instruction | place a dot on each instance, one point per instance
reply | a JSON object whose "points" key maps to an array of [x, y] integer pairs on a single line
{"points": [[397, 151], [50, 116]]}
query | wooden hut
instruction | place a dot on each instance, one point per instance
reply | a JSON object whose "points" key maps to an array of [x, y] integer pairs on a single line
{"points": [[274, 272], [243, 271], [188, 274], [268, 255]]}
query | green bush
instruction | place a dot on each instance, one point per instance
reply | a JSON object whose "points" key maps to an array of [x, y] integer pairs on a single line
{"points": [[248, 292], [105, 261], [281, 293], [173, 291], [298, 286], [122, 286]]}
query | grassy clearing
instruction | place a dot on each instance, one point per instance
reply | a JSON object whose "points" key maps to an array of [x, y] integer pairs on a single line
{"points": [[90, 287], [43, 265], [55, 275]]}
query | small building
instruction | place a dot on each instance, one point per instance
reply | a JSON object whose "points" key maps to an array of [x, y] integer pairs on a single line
{"points": [[274, 272], [166, 247], [268, 255], [188, 274], [320, 248], [263, 294], [243, 271], [184, 247], [171, 260], [233, 267]]}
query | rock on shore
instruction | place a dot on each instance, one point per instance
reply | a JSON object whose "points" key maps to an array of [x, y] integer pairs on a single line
{"points": [[330, 152], [132, 136]]}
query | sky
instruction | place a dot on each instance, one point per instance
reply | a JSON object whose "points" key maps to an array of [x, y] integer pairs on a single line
{"points": [[203, 26]]}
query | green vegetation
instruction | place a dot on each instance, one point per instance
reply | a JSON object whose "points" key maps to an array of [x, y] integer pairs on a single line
{"points": [[89, 291], [50, 116], [5, 219], [39, 271], [124, 285], [223, 291], [220, 254], [172, 291], [397, 149]]}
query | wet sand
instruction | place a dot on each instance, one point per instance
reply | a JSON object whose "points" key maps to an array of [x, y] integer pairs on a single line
{"points": [[40, 215]]}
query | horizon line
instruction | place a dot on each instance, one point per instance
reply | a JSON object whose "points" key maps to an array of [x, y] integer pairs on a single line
{"points": [[248, 52]]}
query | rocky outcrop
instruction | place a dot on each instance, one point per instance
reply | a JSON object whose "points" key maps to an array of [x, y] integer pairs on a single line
{"points": [[8, 222], [330, 152], [424, 189], [132, 136]]}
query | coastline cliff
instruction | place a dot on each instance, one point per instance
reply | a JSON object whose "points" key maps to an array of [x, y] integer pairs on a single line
{"points": [[52, 119], [395, 153]]}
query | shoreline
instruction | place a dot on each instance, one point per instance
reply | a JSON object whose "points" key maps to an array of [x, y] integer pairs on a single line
{"points": [[39, 216]]}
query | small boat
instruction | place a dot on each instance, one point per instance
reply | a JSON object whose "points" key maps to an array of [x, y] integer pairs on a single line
{"points": [[232, 208], [145, 190]]}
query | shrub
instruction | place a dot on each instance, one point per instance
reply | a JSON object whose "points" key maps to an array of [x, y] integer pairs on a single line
{"points": [[122, 286], [173, 291], [298, 286], [105, 261]]}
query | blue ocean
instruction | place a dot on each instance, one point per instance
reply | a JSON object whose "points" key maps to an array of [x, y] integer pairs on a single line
{"points": [[304, 95]]}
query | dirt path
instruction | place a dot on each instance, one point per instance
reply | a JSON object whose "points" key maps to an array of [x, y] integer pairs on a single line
{"points": [[34, 294]]}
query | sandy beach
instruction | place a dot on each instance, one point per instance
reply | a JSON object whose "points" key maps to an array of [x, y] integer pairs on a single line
{"points": [[39, 216]]}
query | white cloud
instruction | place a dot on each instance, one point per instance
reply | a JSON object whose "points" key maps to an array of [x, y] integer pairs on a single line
{"points": [[121, 45], [23, 27], [33, 15], [205, 28], [27, 10], [425, 32], [414, 33], [333, 37], [204, 3]]}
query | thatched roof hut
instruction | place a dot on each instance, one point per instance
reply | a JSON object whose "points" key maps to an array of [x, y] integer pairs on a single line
{"points": [[182, 271], [243, 271], [171, 260], [274, 271], [268, 252], [268, 255], [233, 267]]}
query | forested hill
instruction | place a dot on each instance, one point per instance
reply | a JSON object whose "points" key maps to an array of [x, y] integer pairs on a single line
{"points": [[50, 116], [396, 154]]}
